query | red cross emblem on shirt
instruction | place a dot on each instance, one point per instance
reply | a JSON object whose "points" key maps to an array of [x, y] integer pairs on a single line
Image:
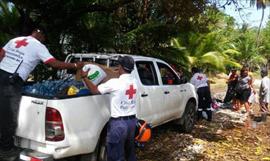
{"points": [[130, 92], [199, 77], [20, 43]]}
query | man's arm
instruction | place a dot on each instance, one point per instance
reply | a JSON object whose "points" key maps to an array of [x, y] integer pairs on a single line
{"points": [[62, 65], [90, 85], [2, 54], [93, 88]]}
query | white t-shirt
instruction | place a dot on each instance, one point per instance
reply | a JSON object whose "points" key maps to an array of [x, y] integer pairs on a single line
{"points": [[265, 90], [199, 80], [24, 53], [123, 92]]}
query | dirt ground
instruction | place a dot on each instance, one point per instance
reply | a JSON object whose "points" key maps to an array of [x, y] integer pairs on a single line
{"points": [[219, 140]]}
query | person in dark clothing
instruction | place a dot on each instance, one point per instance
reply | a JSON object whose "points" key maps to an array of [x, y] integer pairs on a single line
{"points": [[200, 81], [17, 59], [232, 81]]}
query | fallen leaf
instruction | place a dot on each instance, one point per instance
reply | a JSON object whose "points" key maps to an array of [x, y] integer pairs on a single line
{"points": [[258, 151], [266, 158]]}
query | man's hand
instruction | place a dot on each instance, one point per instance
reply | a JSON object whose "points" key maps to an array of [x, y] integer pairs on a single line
{"points": [[2, 54], [84, 73], [92, 87]]}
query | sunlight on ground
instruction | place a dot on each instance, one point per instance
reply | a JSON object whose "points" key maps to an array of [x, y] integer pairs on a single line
{"points": [[218, 83]]}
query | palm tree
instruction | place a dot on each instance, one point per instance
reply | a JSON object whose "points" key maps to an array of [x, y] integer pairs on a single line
{"points": [[260, 4], [211, 50]]}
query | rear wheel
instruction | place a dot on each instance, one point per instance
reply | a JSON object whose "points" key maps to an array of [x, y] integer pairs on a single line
{"points": [[89, 157], [189, 117], [102, 155], [99, 154]]}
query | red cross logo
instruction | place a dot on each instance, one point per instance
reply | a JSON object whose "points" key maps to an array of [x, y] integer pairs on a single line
{"points": [[20, 43], [199, 77], [130, 92]]}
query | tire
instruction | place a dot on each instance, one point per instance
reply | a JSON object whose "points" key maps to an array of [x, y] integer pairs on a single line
{"points": [[189, 117], [89, 157], [102, 153], [99, 154]]}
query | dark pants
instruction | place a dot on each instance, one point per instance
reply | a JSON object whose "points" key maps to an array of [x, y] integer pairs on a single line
{"points": [[243, 95], [120, 139], [230, 94], [205, 100], [10, 96]]}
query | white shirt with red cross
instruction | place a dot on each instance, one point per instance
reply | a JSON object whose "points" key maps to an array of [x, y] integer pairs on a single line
{"points": [[199, 80], [123, 92], [23, 54]]}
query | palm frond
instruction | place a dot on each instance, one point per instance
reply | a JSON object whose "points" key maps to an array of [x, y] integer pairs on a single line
{"points": [[215, 59]]}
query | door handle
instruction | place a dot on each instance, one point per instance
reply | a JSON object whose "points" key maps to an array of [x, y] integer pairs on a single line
{"points": [[166, 92], [144, 95]]}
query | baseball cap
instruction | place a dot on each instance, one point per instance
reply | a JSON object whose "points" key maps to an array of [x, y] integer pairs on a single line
{"points": [[126, 62]]}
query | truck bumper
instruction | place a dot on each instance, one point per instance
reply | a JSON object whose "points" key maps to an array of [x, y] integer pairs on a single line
{"points": [[30, 155]]}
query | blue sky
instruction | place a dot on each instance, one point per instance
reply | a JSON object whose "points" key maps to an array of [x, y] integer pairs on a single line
{"points": [[249, 14]]}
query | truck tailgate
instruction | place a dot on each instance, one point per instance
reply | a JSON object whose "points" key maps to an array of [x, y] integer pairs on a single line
{"points": [[31, 118]]}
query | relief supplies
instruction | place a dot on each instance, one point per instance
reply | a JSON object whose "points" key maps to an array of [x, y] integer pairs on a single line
{"points": [[95, 73]]}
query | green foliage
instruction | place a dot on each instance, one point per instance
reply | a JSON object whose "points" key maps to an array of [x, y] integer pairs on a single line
{"points": [[212, 48], [8, 20], [245, 43], [265, 48], [185, 33]]}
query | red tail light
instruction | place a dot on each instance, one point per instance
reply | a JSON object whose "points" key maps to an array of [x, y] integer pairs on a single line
{"points": [[54, 126], [35, 159]]}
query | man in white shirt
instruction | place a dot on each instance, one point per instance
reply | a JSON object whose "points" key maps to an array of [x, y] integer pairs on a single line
{"points": [[200, 81], [17, 60], [264, 92], [121, 126]]}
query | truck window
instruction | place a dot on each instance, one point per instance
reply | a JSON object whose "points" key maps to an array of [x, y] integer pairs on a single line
{"points": [[168, 77], [147, 73]]}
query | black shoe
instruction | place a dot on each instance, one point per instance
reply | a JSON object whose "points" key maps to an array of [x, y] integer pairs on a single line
{"points": [[209, 115], [199, 115], [11, 153]]}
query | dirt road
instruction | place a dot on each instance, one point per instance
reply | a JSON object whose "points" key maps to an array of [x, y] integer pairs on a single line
{"points": [[218, 140], [225, 138]]}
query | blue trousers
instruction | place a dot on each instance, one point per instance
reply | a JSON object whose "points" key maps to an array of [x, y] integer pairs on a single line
{"points": [[120, 140]]}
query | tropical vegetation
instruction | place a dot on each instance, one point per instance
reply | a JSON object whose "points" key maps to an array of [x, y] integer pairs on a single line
{"points": [[185, 33]]}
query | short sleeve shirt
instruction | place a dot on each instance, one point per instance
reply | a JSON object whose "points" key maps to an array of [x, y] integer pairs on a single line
{"points": [[199, 80], [265, 90], [123, 92], [243, 82], [23, 54]]}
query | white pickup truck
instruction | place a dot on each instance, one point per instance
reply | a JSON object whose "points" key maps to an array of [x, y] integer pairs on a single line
{"points": [[54, 128]]}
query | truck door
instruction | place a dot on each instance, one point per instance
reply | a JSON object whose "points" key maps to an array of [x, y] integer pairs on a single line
{"points": [[172, 90], [150, 93]]}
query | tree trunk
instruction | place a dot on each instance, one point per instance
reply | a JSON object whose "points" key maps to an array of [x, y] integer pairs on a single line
{"points": [[259, 29]]}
